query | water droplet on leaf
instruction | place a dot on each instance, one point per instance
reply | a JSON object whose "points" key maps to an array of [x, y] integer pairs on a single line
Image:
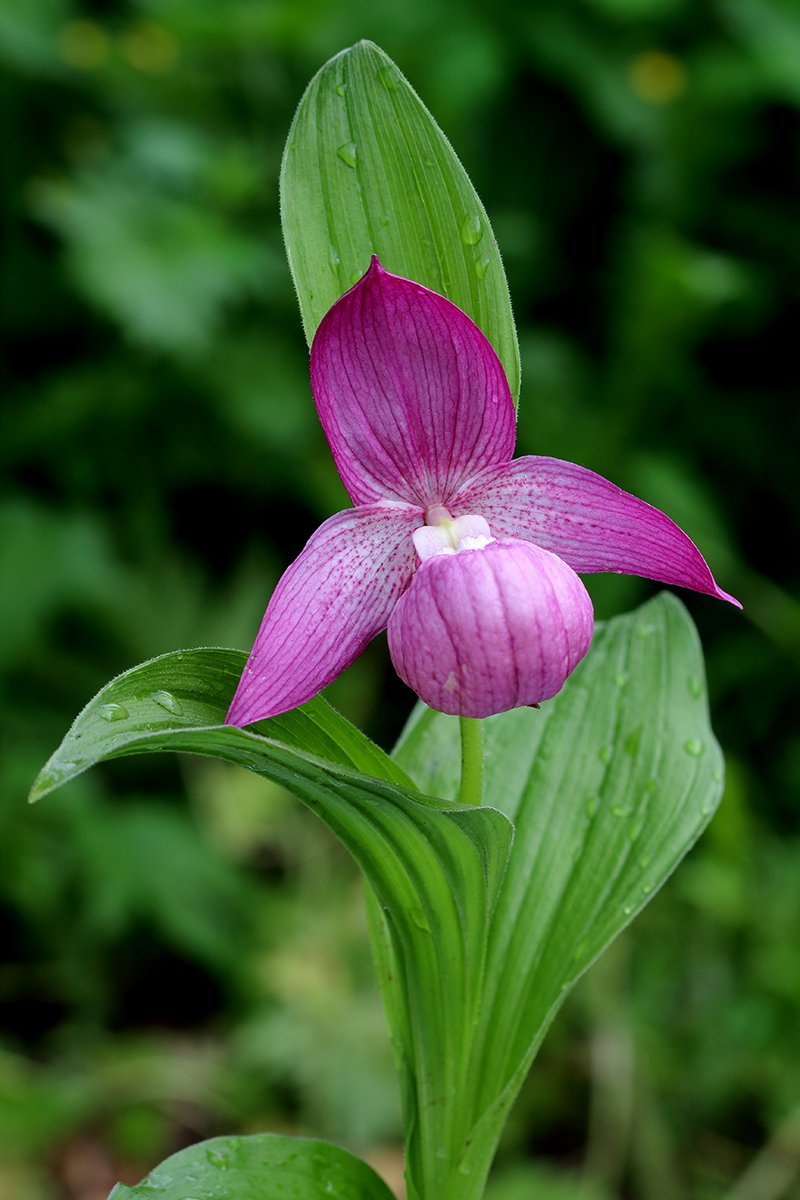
{"points": [[471, 230], [166, 700], [418, 917], [580, 950], [389, 78], [636, 832], [620, 679], [592, 805], [481, 267], [621, 810], [348, 153], [113, 712], [633, 740], [341, 88], [333, 258], [695, 686], [694, 747]]}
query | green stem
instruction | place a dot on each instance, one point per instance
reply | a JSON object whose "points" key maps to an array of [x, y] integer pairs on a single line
{"points": [[471, 791]]}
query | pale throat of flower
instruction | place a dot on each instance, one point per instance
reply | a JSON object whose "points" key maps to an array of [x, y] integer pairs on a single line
{"points": [[444, 534]]}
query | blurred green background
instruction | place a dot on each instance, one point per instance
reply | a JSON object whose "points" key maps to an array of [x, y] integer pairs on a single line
{"points": [[184, 947]]}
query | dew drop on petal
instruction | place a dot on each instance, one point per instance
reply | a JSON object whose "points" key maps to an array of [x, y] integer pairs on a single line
{"points": [[113, 712]]}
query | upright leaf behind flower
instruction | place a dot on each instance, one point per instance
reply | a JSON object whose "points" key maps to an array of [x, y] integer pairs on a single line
{"points": [[608, 786], [368, 171]]}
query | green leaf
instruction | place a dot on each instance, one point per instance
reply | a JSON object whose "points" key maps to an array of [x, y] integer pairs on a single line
{"points": [[263, 1166], [184, 692], [368, 171], [434, 872], [608, 786]]}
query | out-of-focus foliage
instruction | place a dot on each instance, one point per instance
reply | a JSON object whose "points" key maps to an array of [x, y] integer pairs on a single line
{"points": [[161, 461]]}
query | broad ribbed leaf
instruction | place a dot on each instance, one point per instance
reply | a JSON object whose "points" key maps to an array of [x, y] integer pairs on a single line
{"points": [[187, 690], [434, 872], [608, 786], [263, 1166], [368, 171]]}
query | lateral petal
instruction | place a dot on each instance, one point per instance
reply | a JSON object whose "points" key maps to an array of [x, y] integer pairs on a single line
{"points": [[411, 395], [485, 630], [586, 520], [333, 599]]}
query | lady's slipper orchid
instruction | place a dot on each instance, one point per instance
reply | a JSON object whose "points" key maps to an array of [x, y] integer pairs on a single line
{"points": [[468, 557]]}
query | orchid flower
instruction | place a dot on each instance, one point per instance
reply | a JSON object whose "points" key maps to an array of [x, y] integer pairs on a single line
{"points": [[467, 557]]}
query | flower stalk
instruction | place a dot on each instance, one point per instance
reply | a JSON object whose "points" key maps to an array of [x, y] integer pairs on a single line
{"points": [[471, 790]]}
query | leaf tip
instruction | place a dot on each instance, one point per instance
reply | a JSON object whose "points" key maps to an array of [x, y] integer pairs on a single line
{"points": [[41, 786], [53, 774]]}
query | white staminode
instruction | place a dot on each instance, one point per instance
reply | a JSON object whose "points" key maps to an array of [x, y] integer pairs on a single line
{"points": [[451, 536]]}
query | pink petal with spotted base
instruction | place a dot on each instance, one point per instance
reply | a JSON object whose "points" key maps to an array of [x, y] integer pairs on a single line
{"points": [[333, 599]]}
